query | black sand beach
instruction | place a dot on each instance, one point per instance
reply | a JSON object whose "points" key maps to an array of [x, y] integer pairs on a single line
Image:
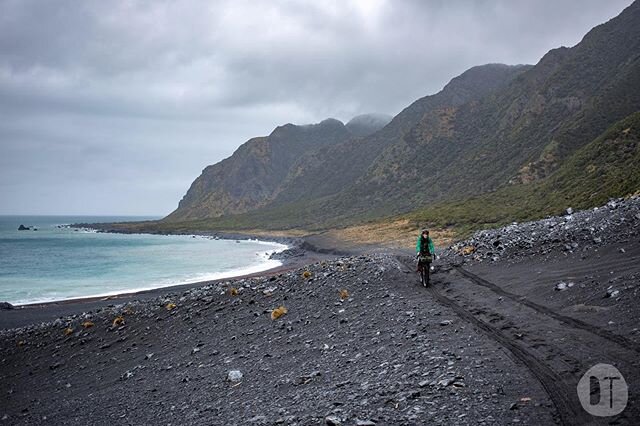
{"points": [[496, 339], [36, 313]]}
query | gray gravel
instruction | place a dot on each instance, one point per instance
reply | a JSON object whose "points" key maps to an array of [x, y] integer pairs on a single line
{"points": [[381, 354], [581, 231]]}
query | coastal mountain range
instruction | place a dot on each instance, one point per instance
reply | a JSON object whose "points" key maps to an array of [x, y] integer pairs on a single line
{"points": [[494, 129]]}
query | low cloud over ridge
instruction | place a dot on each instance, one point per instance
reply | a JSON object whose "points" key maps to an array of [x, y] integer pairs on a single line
{"points": [[114, 107]]}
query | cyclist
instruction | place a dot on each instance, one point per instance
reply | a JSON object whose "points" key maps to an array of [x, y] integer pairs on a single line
{"points": [[425, 251]]}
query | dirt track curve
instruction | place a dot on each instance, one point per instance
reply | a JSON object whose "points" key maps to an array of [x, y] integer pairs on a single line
{"points": [[556, 348]]}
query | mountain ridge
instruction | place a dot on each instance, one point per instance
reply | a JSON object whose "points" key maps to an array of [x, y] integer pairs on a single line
{"points": [[310, 171], [367, 124], [478, 134]]}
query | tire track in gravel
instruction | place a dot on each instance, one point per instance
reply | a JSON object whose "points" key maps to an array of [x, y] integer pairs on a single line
{"points": [[620, 266], [573, 322], [555, 355], [569, 410]]}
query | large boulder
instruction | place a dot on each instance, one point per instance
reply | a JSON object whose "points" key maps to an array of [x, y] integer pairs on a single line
{"points": [[23, 228]]}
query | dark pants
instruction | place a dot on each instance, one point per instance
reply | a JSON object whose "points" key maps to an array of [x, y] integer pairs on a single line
{"points": [[422, 264]]}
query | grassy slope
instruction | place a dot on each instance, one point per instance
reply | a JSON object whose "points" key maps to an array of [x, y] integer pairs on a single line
{"points": [[606, 168]]}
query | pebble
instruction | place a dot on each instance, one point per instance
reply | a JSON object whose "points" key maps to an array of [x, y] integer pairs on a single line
{"points": [[612, 293], [332, 421], [234, 376], [564, 286], [350, 373], [561, 286]]}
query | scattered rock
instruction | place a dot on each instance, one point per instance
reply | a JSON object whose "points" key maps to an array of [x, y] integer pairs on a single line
{"points": [[446, 382], [332, 421], [302, 361], [303, 380], [612, 293], [586, 228], [234, 376], [561, 286]]}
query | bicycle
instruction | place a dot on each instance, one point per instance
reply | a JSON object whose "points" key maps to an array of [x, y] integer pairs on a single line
{"points": [[424, 267]]}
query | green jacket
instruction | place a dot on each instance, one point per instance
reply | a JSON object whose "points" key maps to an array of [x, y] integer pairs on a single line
{"points": [[432, 249]]}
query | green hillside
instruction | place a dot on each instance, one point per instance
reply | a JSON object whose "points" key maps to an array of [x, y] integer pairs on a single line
{"points": [[521, 133], [608, 167]]}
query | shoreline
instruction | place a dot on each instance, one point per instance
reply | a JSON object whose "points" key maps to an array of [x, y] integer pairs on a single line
{"points": [[467, 342], [301, 252], [298, 253], [117, 228], [134, 291]]}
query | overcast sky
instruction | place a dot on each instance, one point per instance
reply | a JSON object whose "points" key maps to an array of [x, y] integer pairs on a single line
{"points": [[114, 107]]}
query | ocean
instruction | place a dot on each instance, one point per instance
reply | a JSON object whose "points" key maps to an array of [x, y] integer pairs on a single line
{"points": [[56, 262]]}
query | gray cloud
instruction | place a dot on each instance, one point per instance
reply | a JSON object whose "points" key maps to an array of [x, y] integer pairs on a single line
{"points": [[115, 107]]}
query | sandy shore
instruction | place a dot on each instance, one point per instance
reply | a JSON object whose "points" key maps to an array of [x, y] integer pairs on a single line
{"points": [[502, 336], [36, 313]]}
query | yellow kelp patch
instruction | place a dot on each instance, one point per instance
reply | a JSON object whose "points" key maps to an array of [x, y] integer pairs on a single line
{"points": [[278, 312]]}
